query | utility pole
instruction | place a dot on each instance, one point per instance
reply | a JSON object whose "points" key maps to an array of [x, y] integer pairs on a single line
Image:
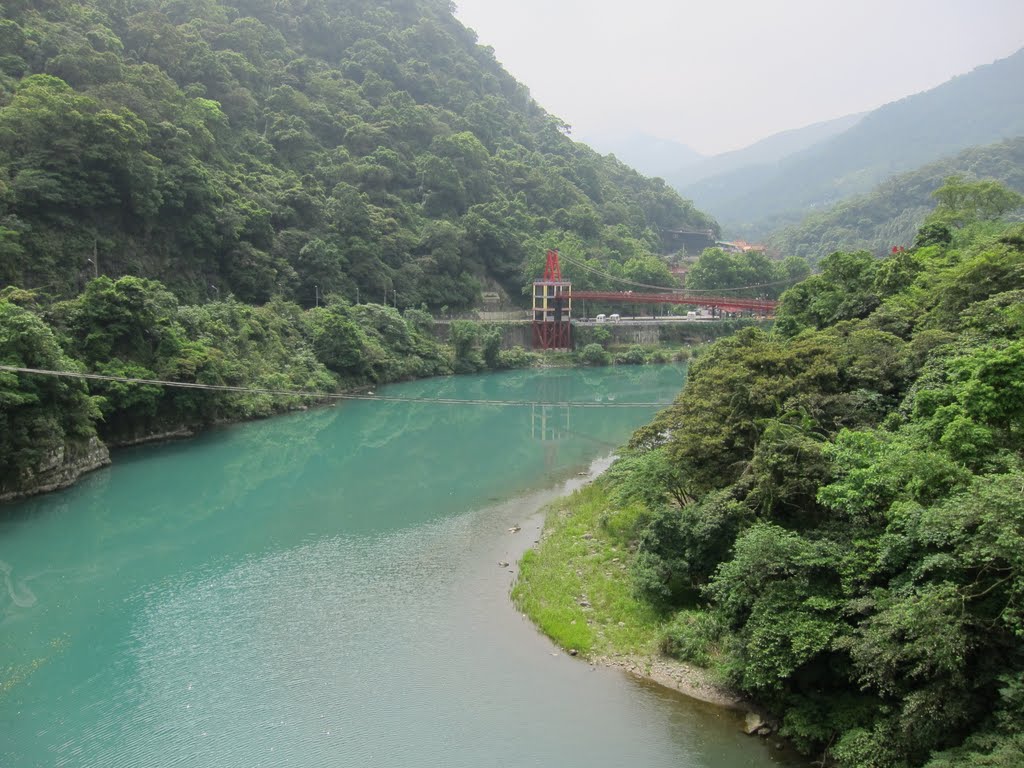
{"points": [[357, 294], [94, 260], [316, 293]]}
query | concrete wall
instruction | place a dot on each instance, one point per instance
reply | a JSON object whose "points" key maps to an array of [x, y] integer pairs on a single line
{"points": [[623, 333]]}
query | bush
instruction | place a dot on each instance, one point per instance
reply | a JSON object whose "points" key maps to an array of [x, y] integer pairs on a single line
{"points": [[591, 334], [464, 337], [492, 349], [594, 354], [632, 356], [517, 357], [692, 636]]}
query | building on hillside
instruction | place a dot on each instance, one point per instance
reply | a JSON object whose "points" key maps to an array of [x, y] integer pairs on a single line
{"points": [[740, 246], [693, 241]]}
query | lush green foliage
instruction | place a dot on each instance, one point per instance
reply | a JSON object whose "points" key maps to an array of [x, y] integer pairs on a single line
{"points": [[136, 328], [894, 211], [355, 150], [752, 271], [40, 418], [843, 501]]}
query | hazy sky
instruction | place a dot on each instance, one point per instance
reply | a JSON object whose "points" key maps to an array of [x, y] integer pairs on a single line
{"points": [[720, 74]]}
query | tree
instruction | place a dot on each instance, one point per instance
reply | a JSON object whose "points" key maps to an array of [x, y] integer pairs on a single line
{"points": [[338, 342], [43, 418], [463, 336], [844, 290], [961, 202]]}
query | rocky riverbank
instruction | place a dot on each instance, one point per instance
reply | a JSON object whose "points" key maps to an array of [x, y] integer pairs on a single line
{"points": [[58, 469]]}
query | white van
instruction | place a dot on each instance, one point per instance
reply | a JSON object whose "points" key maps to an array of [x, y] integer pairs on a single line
{"points": [[600, 318], [614, 318]]}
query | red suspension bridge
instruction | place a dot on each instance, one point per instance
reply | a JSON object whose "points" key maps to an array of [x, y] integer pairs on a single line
{"points": [[553, 297], [724, 303]]}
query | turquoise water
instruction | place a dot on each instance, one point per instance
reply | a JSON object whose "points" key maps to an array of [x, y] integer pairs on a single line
{"points": [[323, 589]]}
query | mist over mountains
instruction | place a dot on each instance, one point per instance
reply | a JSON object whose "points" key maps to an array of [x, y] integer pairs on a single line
{"points": [[977, 108], [780, 179]]}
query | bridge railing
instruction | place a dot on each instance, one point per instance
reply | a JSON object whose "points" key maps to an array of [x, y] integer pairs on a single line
{"points": [[726, 303]]}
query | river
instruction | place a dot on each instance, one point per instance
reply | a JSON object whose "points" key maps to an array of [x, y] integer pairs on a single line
{"points": [[323, 589]]}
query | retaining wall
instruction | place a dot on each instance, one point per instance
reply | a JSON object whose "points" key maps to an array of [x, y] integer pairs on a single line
{"points": [[624, 333]]}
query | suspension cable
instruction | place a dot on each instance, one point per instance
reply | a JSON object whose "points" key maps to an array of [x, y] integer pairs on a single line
{"points": [[664, 289], [325, 395]]}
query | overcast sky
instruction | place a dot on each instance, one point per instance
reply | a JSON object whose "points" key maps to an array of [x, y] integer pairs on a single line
{"points": [[720, 74]]}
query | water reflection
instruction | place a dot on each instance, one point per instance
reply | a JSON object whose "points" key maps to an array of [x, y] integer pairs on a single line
{"points": [[321, 589]]}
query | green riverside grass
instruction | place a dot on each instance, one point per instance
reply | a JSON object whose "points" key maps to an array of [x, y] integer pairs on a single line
{"points": [[575, 584]]}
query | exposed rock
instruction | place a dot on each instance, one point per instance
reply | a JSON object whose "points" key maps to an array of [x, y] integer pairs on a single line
{"points": [[59, 468], [503, 563], [682, 677], [753, 723], [764, 731], [573, 652]]}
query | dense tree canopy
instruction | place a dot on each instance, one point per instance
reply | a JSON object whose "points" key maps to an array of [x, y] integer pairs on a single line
{"points": [[745, 274], [292, 150], [135, 328], [894, 211], [842, 499]]}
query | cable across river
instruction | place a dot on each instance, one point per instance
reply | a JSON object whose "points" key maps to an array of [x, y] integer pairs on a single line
{"points": [[324, 395]]}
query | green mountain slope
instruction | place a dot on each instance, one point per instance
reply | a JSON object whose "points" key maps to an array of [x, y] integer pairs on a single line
{"points": [[977, 108], [290, 148], [892, 213]]}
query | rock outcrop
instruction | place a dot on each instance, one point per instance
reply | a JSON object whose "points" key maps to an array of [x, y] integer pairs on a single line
{"points": [[59, 468]]}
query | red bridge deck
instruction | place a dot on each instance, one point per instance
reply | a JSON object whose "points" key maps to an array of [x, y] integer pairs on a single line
{"points": [[726, 304]]}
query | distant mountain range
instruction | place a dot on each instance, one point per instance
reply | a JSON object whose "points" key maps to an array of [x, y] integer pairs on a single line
{"points": [[680, 165], [779, 180], [764, 152]]}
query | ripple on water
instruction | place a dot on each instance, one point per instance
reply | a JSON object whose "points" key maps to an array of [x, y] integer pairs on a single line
{"points": [[271, 596]]}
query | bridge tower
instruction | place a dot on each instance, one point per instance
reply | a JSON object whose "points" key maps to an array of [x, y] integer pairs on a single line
{"points": [[552, 308]]}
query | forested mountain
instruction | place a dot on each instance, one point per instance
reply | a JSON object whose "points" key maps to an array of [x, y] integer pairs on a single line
{"points": [[288, 148], [974, 109], [892, 213], [830, 516], [768, 152]]}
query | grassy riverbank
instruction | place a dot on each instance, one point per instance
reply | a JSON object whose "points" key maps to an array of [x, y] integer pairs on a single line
{"points": [[575, 585]]}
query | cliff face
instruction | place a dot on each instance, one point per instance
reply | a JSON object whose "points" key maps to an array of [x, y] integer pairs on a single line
{"points": [[60, 468]]}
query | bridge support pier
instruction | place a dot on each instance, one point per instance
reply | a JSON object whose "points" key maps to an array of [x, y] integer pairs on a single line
{"points": [[552, 335]]}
